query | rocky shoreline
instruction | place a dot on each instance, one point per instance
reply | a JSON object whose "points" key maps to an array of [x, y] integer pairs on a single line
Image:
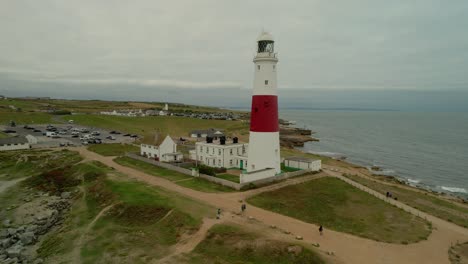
{"points": [[291, 137], [39, 214]]}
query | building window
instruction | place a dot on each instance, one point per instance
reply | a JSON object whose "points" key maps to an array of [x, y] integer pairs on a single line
{"points": [[201, 148], [266, 82], [274, 67], [243, 149], [230, 151], [207, 149], [230, 162], [258, 66], [219, 152], [219, 162]]}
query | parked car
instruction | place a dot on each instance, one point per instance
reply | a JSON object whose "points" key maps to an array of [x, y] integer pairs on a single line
{"points": [[9, 131], [37, 130], [115, 132], [126, 135], [50, 134], [95, 133], [134, 136], [63, 132], [110, 137]]}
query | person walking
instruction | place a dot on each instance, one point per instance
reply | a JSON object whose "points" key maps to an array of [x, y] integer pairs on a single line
{"points": [[243, 207], [218, 214], [321, 230]]}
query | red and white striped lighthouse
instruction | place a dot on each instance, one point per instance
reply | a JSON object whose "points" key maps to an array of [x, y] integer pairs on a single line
{"points": [[264, 147]]}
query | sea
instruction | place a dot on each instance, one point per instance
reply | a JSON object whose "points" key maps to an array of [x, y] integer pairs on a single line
{"points": [[425, 149]]}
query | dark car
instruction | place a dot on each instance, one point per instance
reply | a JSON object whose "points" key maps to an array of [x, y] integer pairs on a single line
{"points": [[126, 135], [75, 136], [37, 130], [9, 131], [134, 136]]}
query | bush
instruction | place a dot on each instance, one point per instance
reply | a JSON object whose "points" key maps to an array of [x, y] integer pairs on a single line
{"points": [[61, 112], [203, 169]]}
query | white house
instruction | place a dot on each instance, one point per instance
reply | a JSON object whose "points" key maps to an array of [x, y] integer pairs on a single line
{"points": [[14, 143], [221, 153], [166, 151], [303, 163]]}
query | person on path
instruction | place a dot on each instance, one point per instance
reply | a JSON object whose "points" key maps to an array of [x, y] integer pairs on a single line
{"points": [[321, 230], [218, 214], [243, 207]]}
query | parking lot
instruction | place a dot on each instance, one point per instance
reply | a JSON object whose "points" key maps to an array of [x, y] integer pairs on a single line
{"points": [[65, 137]]}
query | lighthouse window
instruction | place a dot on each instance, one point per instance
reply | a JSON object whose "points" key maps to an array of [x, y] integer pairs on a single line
{"points": [[266, 82], [274, 67], [258, 66]]}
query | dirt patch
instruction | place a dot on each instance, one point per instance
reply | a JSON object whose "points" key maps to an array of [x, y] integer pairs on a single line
{"points": [[137, 214]]}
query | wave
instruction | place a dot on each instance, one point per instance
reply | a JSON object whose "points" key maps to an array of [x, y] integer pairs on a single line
{"points": [[454, 189], [413, 181], [327, 154]]}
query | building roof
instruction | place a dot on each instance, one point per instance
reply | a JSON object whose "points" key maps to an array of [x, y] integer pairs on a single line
{"points": [[13, 140], [265, 36], [302, 159], [210, 131]]}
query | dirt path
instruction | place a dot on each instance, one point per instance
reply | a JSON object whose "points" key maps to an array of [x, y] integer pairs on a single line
{"points": [[347, 248], [186, 245], [4, 185], [77, 250]]}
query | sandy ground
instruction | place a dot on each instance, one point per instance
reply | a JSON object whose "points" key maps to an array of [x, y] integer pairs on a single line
{"points": [[346, 248]]}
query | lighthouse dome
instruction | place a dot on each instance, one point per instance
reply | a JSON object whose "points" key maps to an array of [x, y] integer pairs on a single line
{"points": [[265, 36]]}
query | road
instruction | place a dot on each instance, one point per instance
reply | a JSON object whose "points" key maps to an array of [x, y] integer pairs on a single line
{"points": [[346, 248]]}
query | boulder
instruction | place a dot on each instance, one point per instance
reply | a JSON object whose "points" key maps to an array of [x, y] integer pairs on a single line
{"points": [[6, 223], [4, 233], [299, 238], [14, 251], [3, 257], [38, 261], [11, 231], [6, 243], [65, 195], [27, 238], [31, 228], [296, 250]]}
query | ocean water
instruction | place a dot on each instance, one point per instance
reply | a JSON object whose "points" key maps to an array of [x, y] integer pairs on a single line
{"points": [[429, 150]]}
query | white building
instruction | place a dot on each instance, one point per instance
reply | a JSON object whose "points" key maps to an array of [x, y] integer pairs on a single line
{"points": [[221, 153], [203, 133], [303, 163], [14, 143], [166, 151], [166, 107]]}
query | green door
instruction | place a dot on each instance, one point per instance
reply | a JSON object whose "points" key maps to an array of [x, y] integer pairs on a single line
{"points": [[241, 164]]}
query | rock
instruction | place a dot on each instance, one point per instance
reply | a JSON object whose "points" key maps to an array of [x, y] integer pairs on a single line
{"points": [[38, 261], [251, 218], [299, 238], [286, 232], [6, 243], [11, 231], [14, 251], [65, 195], [6, 223], [31, 228], [273, 226], [296, 250], [4, 233], [2, 257], [27, 238]]}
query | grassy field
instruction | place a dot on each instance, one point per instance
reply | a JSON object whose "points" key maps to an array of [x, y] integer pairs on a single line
{"points": [[113, 149], [19, 164], [229, 177], [25, 118], [231, 244], [164, 125], [179, 178], [341, 207], [420, 200], [140, 227]]}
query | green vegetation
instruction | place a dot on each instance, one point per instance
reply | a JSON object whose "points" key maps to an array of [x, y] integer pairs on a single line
{"points": [[287, 152], [164, 125], [229, 177], [151, 169], [288, 169], [458, 253], [24, 118], [179, 178], [19, 164], [4, 135], [113, 149], [421, 200], [339, 206], [231, 244], [204, 186]]}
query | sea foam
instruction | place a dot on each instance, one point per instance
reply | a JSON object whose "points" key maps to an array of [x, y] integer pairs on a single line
{"points": [[454, 189]]}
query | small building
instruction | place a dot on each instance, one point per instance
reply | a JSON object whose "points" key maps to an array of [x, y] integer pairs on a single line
{"points": [[166, 151], [211, 132], [303, 163], [221, 153], [14, 143]]}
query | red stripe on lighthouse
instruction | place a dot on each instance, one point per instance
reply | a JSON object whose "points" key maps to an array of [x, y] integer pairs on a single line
{"points": [[264, 114]]}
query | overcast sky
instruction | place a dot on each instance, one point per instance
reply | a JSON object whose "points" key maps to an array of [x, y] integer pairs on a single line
{"points": [[150, 45]]}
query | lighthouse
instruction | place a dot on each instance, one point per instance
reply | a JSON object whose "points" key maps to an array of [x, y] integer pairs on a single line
{"points": [[264, 147]]}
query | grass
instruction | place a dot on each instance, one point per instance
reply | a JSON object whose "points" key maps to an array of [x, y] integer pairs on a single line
{"points": [[4, 135], [164, 125], [420, 200], [288, 169], [25, 118], [151, 169], [229, 177], [231, 244], [187, 181], [204, 186], [25, 163], [113, 149], [341, 207]]}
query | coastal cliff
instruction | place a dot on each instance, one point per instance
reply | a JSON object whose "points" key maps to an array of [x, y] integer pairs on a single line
{"points": [[291, 137]]}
